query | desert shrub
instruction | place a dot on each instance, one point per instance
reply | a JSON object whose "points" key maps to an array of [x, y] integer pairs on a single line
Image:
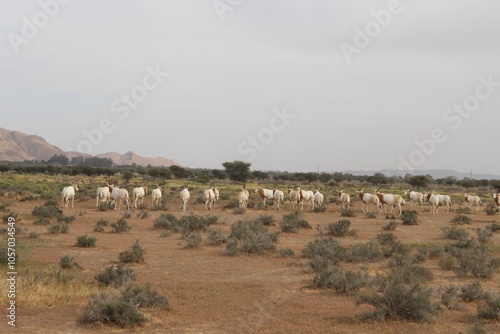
{"points": [[66, 219], [166, 221], [193, 240], [104, 207], [68, 262], [266, 220], [85, 241], [99, 226], [449, 297], [474, 260], [411, 274], [409, 217], [135, 254], [397, 300], [494, 227], [370, 215], [63, 227], [448, 262], [249, 236], [422, 254], [194, 223], [287, 252], [454, 233], [289, 223], [109, 308], [490, 209], [342, 281], [323, 253], [483, 234], [145, 296], [49, 211], [391, 226], [233, 204], [435, 251], [42, 221], [215, 237], [9, 214], [463, 211], [347, 213], [121, 226], [115, 276], [319, 209], [143, 214], [34, 234], [363, 252], [126, 215], [490, 308], [386, 238], [460, 220], [54, 229], [341, 228], [239, 211], [471, 292]]}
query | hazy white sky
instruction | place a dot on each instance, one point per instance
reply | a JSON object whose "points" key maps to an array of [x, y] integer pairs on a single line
{"points": [[285, 85]]}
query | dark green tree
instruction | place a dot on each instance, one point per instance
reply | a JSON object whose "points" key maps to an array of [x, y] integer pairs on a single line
{"points": [[238, 170], [418, 181]]}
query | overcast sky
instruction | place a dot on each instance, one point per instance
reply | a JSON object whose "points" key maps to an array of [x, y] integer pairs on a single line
{"points": [[285, 85]]}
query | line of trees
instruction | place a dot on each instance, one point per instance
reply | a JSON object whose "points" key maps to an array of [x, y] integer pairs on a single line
{"points": [[237, 171]]}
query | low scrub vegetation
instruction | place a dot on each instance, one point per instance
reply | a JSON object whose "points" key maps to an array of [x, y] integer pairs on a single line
{"points": [[135, 254], [250, 236], [341, 228], [291, 222]]}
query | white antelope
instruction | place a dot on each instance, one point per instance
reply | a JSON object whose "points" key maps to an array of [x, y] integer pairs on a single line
{"points": [[496, 199], [306, 196], [390, 199], [156, 197], [209, 196], [368, 199], [445, 200], [216, 196], [414, 197], [318, 198], [473, 200], [138, 194], [68, 193], [243, 196], [103, 194], [119, 195], [185, 195], [344, 199], [294, 198], [265, 194], [278, 196], [433, 200]]}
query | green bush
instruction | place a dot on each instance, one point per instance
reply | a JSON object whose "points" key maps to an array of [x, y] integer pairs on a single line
{"points": [[135, 254], [490, 309], [391, 226], [449, 297], [85, 241], [363, 252], [266, 220], [409, 217], [49, 211], [121, 226], [370, 215], [166, 221], [99, 226], [323, 253], [490, 209], [115, 276], [215, 237], [34, 234], [287, 252], [460, 220], [454, 233], [108, 308], [193, 240], [289, 223], [341, 228], [342, 281], [145, 296], [472, 292], [347, 213], [250, 236], [68, 262]]}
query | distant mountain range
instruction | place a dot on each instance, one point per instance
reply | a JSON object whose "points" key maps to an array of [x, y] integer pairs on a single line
{"points": [[435, 173], [18, 146]]}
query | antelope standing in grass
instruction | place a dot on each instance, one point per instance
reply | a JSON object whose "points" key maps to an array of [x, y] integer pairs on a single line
{"points": [[390, 199], [433, 200], [473, 200], [185, 195], [216, 195], [209, 196], [496, 199], [294, 198], [368, 199], [265, 194], [279, 197], [344, 199], [306, 196], [138, 194], [103, 194], [445, 200], [156, 197], [68, 193], [414, 197], [243, 196], [319, 198], [118, 195]]}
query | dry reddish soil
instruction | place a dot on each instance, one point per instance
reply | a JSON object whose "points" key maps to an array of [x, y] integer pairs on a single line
{"points": [[213, 293]]}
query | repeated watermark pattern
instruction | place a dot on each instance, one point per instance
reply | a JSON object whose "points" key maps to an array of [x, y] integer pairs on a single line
{"points": [[453, 118], [30, 28], [265, 136], [222, 7], [121, 107]]}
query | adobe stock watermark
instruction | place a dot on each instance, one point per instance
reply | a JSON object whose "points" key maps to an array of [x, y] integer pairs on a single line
{"points": [[222, 7], [453, 118], [121, 107], [371, 29], [253, 144], [31, 28]]}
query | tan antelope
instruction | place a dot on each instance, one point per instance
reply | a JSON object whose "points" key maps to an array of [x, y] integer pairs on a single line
{"points": [[496, 199], [306, 196], [264, 193], [278, 196], [473, 200], [344, 199], [294, 198], [433, 200], [156, 197], [209, 196], [390, 199], [243, 196], [368, 199], [185, 195], [138, 194], [414, 197]]}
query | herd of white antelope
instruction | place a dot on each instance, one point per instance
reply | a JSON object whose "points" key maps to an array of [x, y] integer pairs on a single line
{"points": [[295, 197]]}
